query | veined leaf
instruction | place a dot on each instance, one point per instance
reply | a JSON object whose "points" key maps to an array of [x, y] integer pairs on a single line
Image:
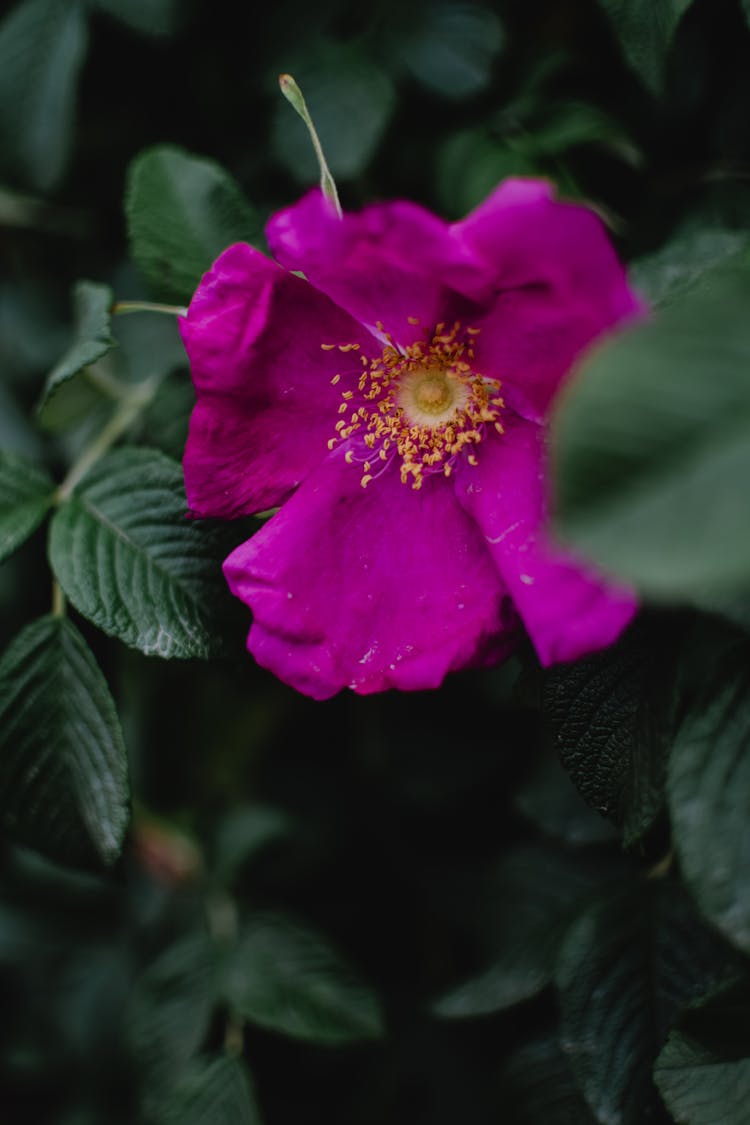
{"points": [[629, 964], [126, 554], [92, 338], [26, 494], [170, 1009], [708, 789], [538, 1086], [287, 977], [215, 1091], [609, 717], [668, 274], [703, 1072], [182, 211], [63, 771], [548, 798]]}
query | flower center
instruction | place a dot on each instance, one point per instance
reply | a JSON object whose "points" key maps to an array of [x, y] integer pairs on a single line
{"points": [[429, 396], [423, 403]]}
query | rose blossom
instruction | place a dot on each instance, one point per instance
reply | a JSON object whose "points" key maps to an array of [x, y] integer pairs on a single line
{"points": [[391, 403]]}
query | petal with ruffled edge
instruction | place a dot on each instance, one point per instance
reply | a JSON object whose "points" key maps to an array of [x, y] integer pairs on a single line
{"points": [[370, 588], [265, 406], [554, 284], [567, 608], [389, 263]]}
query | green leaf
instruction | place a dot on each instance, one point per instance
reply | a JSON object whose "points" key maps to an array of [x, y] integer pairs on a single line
{"points": [[43, 44], [170, 1010], [562, 125], [539, 890], [144, 349], [548, 798], [215, 1092], [538, 1087], [63, 771], [182, 211], [26, 495], [668, 274], [645, 29], [149, 17], [708, 790], [628, 965], [703, 1072], [92, 339], [651, 448], [610, 718], [131, 561], [287, 977]]}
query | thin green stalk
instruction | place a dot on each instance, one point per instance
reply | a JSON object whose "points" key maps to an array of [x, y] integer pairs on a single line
{"points": [[106, 383], [59, 602], [223, 925], [121, 420], [147, 306], [293, 95]]}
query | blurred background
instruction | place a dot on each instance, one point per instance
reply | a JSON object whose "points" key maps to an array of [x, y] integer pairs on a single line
{"points": [[423, 839]]}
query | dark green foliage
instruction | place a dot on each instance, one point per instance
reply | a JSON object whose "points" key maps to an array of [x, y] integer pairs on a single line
{"points": [[610, 717], [520, 898], [709, 790], [538, 890], [93, 336], [645, 29], [216, 1092], [157, 583], [42, 47], [624, 974], [63, 773], [26, 493], [182, 211], [652, 447], [703, 1071], [284, 976]]}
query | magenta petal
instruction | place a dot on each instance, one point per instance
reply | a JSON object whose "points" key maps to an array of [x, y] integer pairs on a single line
{"points": [[389, 263], [554, 284], [370, 588], [567, 608], [265, 405]]}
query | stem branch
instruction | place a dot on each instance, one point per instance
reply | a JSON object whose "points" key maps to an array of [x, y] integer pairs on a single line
{"points": [[123, 417], [58, 599], [147, 306]]}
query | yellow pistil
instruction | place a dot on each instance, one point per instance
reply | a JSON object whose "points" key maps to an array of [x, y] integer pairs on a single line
{"points": [[424, 403]]}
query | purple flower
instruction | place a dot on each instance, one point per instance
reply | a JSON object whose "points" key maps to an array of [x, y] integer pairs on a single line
{"points": [[391, 403]]}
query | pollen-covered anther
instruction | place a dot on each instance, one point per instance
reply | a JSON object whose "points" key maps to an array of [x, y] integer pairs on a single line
{"points": [[423, 403]]}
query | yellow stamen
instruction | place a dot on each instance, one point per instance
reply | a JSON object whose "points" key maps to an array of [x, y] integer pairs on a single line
{"points": [[423, 403]]}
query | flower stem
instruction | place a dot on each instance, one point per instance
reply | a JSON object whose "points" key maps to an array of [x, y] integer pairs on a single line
{"points": [[122, 418], [58, 599], [293, 95], [147, 306]]}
